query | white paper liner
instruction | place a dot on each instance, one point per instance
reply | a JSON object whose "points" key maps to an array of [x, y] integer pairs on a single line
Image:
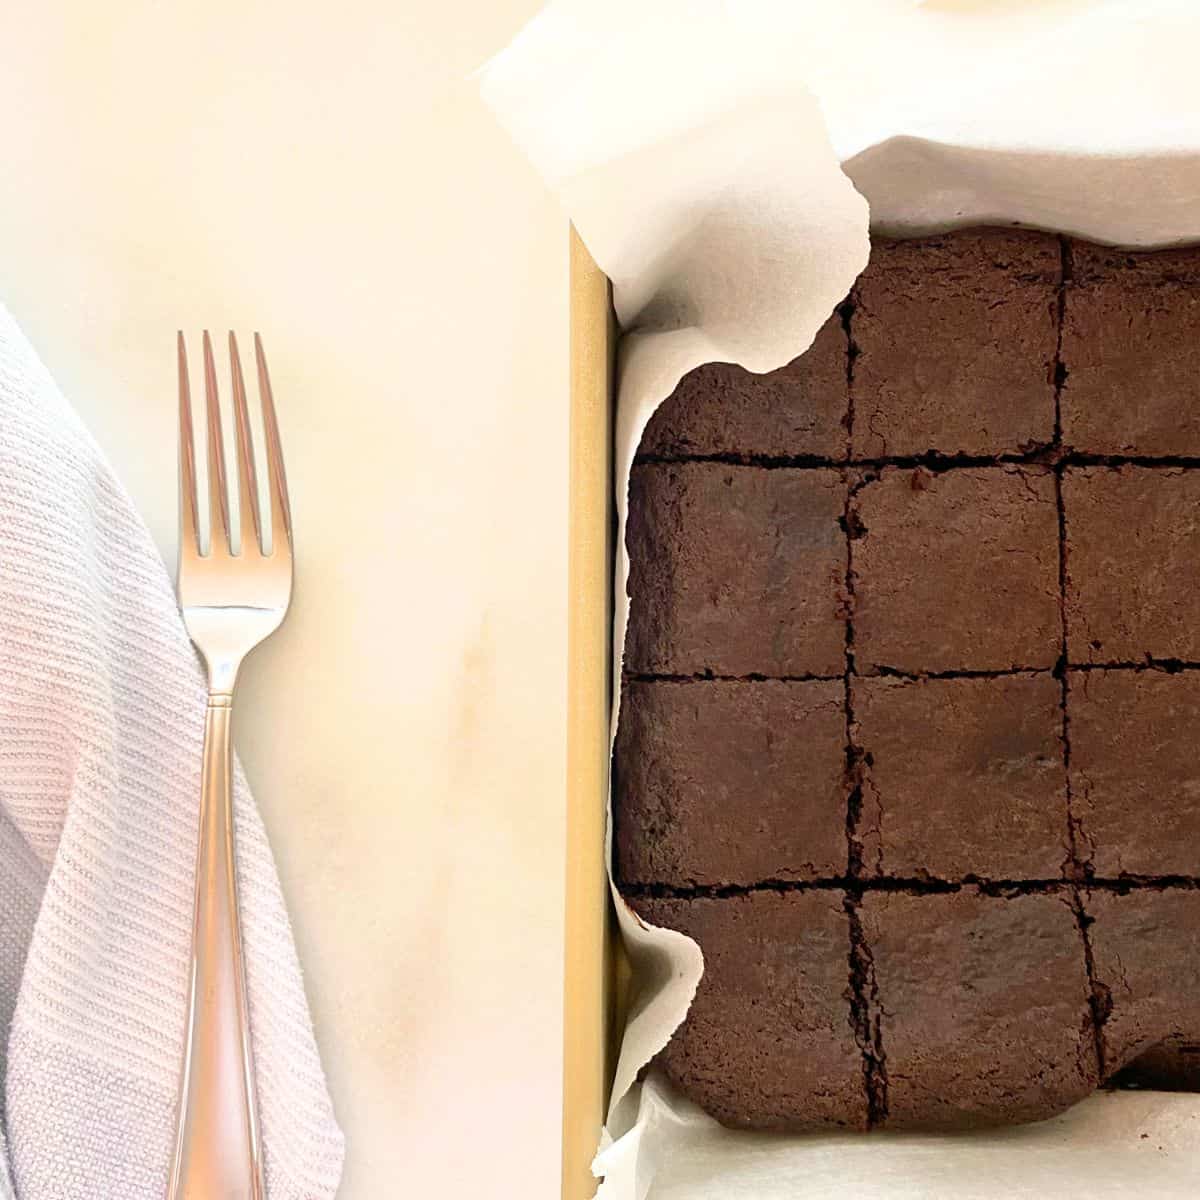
{"points": [[704, 177]]}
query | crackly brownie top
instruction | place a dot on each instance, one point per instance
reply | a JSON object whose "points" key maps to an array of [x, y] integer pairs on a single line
{"points": [[911, 687]]}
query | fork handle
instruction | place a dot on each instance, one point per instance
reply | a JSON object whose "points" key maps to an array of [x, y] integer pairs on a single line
{"points": [[217, 1147]]}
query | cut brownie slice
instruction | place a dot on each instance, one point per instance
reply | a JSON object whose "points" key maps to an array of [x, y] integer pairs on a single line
{"points": [[1133, 563], [956, 338], [801, 410], [962, 777], [1130, 326], [735, 571], [1146, 963], [984, 1004], [1134, 781], [956, 570], [768, 1041], [730, 783]]}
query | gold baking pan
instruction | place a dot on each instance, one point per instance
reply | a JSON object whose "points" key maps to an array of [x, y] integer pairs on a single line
{"points": [[590, 1024]]}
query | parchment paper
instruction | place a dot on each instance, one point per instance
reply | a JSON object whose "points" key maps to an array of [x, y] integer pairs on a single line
{"points": [[705, 152]]}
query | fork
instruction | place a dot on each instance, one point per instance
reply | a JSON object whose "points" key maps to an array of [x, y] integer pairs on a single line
{"points": [[231, 602]]}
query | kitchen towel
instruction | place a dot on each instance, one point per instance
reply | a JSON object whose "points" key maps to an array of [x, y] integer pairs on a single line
{"points": [[101, 722]]}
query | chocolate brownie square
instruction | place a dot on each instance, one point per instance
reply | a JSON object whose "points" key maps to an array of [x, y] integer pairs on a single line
{"points": [[735, 571], [956, 338], [800, 410], [962, 777], [768, 1041], [956, 571], [1134, 783], [1146, 963], [1133, 563], [730, 783], [984, 1007], [1130, 327]]}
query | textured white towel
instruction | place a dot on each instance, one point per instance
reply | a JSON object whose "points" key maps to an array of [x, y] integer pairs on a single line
{"points": [[101, 719]]}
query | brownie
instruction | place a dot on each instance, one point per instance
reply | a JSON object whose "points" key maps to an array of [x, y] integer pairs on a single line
{"points": [[956, 570], [1133, 563], [798, 411], [984, 1007], [912, 692], [1134, 780], [730, 783], [1146, 964], [767, 1042], [1131, 325], [735, 571], [978, 760], [956, 338]]}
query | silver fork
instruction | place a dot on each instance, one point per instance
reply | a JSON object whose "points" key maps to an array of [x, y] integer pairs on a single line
{"points": [[231, 602]]}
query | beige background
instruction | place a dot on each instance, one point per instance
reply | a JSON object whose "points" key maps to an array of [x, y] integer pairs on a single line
{"points": [[325, 173]]}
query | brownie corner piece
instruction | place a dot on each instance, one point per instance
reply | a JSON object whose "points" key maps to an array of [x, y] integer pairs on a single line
{"points": [[768, 1042], [956, 570], [735, 570], [1133, 563], [962, 777], [1146, 965], [719, 783], [1131, 325], [798, 411], [955, 337], [968, 1044]]}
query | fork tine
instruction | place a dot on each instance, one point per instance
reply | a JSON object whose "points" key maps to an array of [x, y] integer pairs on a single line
{"points": [[218, 494], [189, 534], [250, 518], [281, 513]]}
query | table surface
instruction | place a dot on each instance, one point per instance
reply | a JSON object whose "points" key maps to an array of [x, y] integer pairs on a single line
{"points": [[327, 175]]}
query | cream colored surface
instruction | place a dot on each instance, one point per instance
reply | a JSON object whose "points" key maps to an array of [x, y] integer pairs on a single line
{"points": [[324, 172]]}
